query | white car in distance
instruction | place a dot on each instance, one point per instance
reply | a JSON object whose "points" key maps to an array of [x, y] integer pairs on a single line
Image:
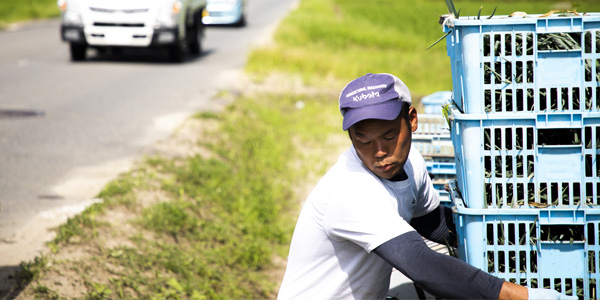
{"points": [[226, 12]]}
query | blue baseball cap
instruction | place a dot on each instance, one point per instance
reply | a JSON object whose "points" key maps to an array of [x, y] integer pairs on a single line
{"points": [[373, 96]]}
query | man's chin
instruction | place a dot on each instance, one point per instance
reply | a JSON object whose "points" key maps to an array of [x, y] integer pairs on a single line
{"points": [[393, 174], [385, 174]]}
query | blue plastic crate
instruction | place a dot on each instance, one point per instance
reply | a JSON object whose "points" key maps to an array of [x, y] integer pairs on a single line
{"points": [[444, 172], [432, 104], [537, 159], [433, 145], [432, 124], [550, 248], [441, 168], [444, 197], [498, 67]]}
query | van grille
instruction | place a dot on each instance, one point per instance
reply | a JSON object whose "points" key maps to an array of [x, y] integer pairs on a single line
{"points": [[128, 11], [102, 24]]}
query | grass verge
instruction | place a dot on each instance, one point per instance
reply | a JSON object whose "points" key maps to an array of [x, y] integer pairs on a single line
{"points": [[26, 10], [345, 39], [211, 225]]}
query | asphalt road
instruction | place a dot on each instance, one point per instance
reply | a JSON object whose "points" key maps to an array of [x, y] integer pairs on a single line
{"points": [[67, 128]]}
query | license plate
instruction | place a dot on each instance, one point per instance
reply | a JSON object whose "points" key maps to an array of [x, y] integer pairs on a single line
{"points": [[119, 38]]}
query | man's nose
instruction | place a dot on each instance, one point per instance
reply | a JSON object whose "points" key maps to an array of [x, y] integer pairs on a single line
{"points": [[380, 150]]}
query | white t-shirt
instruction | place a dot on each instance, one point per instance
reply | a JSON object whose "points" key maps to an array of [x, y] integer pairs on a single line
{"points": [[349, 213]]}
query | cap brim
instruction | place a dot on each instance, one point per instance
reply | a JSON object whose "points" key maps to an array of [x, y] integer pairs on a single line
{"points": [[388, 110]]}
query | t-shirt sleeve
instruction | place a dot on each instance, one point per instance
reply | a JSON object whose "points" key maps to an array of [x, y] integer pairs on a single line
{"points": [[428, 197], [365, 214]]}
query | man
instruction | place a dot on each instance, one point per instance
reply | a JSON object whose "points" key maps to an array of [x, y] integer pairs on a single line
{"points": [[369, 212]]}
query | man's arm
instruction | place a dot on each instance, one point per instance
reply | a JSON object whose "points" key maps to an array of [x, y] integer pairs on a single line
{"points": [[441, 275], [448, 277]]}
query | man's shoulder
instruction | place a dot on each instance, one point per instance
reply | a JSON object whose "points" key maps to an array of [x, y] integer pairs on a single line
{"points": [[348, 173], [350, 167], [415, 154], [415, 158]]}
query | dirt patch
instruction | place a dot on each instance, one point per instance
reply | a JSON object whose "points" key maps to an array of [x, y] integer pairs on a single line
{"points": [[73, 267]]}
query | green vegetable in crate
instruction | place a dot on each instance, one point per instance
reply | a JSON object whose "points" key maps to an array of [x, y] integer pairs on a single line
{"points": [[454, 14], [505, 70], [446, 113], [559, 41]]}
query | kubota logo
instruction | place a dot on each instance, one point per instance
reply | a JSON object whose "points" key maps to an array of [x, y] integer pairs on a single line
{"points": [[362, 97]]}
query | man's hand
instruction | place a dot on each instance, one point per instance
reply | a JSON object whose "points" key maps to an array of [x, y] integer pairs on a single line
{"points": [[546, 294]]}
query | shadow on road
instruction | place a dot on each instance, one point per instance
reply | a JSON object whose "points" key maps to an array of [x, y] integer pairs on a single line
{"points": [[138, 55], [9, 288]]}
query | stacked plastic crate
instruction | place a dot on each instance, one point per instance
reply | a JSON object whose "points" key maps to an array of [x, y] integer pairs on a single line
{"points": [[432, 139], [525, 125]]}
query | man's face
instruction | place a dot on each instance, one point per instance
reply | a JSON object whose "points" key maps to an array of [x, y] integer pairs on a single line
{"points": [[382, 145]]}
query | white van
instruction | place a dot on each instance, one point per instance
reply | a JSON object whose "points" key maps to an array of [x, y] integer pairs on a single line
{"points": [[172, 24]]}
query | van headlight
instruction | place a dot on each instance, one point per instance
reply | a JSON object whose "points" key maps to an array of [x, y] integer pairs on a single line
{"points": [[71, 17], [164, 21], [168, 15], [62, 5]]}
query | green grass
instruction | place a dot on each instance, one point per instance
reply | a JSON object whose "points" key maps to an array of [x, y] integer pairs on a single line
{"points": [[344, 39], [225, 215], [14, 11]]}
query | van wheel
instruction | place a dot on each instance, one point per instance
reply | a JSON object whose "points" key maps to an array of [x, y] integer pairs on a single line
{"points": [[242, 21], [177, 53], [196, 37], [78, 51]]}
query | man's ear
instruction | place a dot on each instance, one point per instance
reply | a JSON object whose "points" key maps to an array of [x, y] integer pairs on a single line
{"points": [[412, 118]]}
